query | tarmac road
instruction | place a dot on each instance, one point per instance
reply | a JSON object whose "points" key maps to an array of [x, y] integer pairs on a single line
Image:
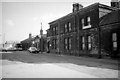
{"points": [[22, 64]]}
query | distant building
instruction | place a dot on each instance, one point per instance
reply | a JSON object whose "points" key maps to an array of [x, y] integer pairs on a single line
{"points": [[38, 41], [27, 42], [9, 44], [79, 32]]}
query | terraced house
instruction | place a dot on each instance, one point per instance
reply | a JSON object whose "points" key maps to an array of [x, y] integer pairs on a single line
{"points": [[80, 32]]}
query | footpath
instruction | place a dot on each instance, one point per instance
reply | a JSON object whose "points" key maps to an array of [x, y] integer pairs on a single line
{"points": [[89, 61]]}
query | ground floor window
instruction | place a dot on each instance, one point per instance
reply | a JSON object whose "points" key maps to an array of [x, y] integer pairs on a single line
{"points": [[54, 44], [83, 43], [114, 40], [86, 43], [65, 44], [89, 43], [69, 43]]}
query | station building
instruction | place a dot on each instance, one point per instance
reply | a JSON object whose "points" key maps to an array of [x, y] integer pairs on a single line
{"points": [[83, 32]]}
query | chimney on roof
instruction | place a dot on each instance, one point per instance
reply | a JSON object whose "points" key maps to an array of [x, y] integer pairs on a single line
{"points": [[77, 7], [115, 3], [30, 35]]}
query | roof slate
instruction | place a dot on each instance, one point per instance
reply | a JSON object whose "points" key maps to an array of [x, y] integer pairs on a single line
{"points": [[110, 18]]}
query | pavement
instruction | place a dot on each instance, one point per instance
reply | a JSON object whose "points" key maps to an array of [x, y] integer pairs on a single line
{"points": [[26, 65], [45, 70]]}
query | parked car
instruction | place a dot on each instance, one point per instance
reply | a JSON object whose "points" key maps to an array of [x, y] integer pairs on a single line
{"points": [[33, 50]]}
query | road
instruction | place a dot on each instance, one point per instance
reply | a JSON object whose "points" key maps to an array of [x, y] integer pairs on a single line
{"points": [[22, 64]]}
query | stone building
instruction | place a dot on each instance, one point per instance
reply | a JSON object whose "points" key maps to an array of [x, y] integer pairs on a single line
{"points": [[79, 32]]}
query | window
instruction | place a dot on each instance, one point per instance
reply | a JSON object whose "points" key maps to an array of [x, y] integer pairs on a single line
{"points": [[69, 26], [88, 20], [89, 43], [53, 29], [86, 23], [65, 27], [69, 40], [82, 21], [66, 43], [83, 43], [56, 31], [114, 39], [55, 43]]}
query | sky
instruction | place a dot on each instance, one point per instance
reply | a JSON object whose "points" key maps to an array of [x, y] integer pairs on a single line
{"points": [[18, 18]]}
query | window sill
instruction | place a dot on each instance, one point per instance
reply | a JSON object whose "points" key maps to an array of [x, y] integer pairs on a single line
{"points": [[86, 27]]}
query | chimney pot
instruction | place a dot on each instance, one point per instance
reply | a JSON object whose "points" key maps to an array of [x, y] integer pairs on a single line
{"points": [[77, 7], [115, 3]]}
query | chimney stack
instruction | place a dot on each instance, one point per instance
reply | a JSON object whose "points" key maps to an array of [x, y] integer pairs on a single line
{"points": [[30, 35], [115, 3], [77, 7]]}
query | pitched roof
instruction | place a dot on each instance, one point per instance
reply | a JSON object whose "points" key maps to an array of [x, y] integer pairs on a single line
{"points": [[110, 18], [84, 9], [28, 40]]}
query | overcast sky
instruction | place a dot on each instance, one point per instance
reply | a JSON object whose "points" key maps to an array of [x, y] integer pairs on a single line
{"points": [[24, 16]]}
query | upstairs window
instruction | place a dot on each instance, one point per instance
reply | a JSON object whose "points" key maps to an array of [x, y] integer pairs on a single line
{"points": [[82, 21], [86, 23], [69, 26], [53, 28], [62, 29], [53, 31], [65, 27], [56, 31], [88, 20]]}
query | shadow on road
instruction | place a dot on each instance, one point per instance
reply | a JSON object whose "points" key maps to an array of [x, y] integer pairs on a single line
{"points": [[26, 57]]}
